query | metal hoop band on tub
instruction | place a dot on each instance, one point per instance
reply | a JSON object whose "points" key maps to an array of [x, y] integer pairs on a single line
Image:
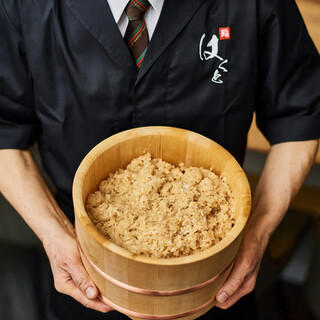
{"points": [[146, 291], [155, 317]]}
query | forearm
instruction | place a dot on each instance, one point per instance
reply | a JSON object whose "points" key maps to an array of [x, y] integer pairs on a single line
{"points": [[23, 186], [286, 168], [284, 172]]}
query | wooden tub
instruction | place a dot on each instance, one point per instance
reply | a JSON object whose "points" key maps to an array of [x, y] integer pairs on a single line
{"points": [[151, 288]]}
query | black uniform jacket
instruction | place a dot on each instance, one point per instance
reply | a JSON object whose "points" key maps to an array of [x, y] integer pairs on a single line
{"points": [[67, 79]]}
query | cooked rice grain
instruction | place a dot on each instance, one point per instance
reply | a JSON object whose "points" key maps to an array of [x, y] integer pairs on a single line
{"points": [[155, 209]]}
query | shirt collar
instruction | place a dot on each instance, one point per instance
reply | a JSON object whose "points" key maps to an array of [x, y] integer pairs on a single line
{"points": [[157, 5], [117, 7]]}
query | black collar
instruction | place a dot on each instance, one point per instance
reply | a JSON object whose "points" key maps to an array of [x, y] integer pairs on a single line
{"points": [[97, 18]]}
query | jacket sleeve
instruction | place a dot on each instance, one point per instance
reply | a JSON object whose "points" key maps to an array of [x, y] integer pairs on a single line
{"points": [[19, 126], [288, 101]]}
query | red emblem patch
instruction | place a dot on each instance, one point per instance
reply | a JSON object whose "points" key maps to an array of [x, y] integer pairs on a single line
{"points": [[224, 33]]}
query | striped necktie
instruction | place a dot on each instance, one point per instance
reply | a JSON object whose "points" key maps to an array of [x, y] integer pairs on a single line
{"points": [[136, 35]]}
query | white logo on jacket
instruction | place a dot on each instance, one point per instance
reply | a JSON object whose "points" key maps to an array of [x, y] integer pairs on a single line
{"points": [[211, 52]]}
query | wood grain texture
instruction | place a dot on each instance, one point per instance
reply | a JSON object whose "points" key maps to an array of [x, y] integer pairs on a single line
{"points": [[175, 146]]}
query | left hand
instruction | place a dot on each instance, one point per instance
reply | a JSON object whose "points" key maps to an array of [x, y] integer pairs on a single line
{"points": [[242, 278], [286, 167]]}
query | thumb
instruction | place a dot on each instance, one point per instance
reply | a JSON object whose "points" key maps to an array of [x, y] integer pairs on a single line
{"points": [[83, 282], [230, 287], [91, 292]]}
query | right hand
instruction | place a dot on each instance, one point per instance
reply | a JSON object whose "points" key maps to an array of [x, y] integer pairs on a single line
{"points": [[70, 276]]}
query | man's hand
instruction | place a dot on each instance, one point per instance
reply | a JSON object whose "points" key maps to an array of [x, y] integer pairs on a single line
{"points": [[285, 170], [242, 278], [70, 276], [22, 184]]}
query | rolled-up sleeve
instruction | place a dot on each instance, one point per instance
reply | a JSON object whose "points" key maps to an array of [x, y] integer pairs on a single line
{"points": [[19, 126], [288, 101]]}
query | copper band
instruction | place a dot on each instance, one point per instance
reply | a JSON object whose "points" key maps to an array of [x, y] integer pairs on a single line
{"points": [[151, 292], [154, 317]]}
